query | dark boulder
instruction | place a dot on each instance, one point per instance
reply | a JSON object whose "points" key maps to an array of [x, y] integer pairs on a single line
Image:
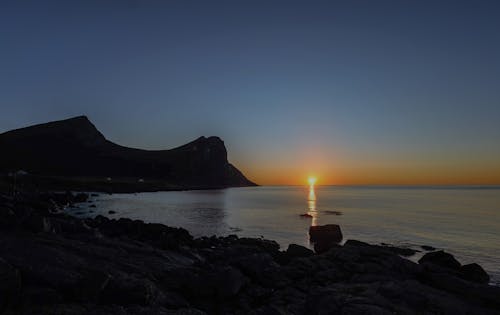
{"points": [[325, 237], [295, 251], [475, 273], [441, 259], [306, 215]]}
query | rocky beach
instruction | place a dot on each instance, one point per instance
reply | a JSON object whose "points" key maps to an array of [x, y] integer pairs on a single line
{"points": [[52, 263]]}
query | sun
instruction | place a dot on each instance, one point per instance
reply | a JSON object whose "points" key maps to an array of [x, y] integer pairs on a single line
{"points": [[311, 180]]}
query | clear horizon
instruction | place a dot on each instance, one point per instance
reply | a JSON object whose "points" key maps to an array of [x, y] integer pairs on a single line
{"points": [[355, 93]]}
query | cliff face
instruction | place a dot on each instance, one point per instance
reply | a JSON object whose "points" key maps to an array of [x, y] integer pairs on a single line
{"points": [[74, 147]]}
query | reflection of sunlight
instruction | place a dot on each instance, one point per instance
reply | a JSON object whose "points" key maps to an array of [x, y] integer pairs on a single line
{"points": [[311, 203]]}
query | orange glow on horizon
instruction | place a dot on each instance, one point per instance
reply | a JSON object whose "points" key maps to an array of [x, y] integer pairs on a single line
{"points": [[476, 175], [393, 170], [311, 180]]}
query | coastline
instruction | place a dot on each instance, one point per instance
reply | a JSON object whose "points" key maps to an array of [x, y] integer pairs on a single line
{"points": [[121, 185], [55, 263]]}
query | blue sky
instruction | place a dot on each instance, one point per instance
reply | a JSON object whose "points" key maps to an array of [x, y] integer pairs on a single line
{"points": [[410, 89]]}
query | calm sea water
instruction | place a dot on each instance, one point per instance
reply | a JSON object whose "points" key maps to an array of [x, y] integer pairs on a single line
{"points": [[464, 221]]}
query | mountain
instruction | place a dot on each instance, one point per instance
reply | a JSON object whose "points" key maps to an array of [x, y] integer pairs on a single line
{"points": [[74, 148]]}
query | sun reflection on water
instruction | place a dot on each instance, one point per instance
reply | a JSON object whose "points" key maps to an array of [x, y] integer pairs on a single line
{"points": [[311, 205]]}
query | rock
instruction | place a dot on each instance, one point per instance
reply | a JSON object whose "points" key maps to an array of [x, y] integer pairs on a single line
{"points": [[428, 248], [294, 251], [7, 216], [228, 282], [332, 212], [397, 250], [37, 223], [306, 215], [41, 296], [325, 237], [10, 285], [441, 259], [80, 197], [474, 272], [129, 290], [400, 250], [261, 268], [92, 206], [219, 283], [111, 212]]}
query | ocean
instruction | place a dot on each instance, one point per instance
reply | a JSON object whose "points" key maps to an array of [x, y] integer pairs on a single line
{"points": [[464, 221]]}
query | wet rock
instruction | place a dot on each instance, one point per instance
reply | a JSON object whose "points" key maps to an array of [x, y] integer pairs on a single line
{"points": [[325, 237], [92, 206], [306, 215], [474, 272], [111, 212], [441, 259]]}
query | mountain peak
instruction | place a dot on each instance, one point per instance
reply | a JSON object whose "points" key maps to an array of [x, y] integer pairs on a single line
{"points": [[74, 147]]}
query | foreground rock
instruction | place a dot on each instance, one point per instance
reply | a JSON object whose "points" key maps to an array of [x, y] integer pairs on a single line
{"points": [[325, 237], [103, 266]]}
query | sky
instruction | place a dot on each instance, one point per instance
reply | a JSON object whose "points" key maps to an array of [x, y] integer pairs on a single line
{"points": [[353, 92]]}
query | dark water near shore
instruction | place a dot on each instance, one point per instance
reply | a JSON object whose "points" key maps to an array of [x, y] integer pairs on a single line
{"points": [[464, 221]]}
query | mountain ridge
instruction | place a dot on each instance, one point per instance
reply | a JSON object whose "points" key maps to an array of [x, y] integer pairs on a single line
{"points": [[74, 147]]}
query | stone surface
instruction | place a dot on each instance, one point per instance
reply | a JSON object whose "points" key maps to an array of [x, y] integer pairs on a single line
{"points": [[294, 251], [474, 272], [325, 237], [441, 259]]}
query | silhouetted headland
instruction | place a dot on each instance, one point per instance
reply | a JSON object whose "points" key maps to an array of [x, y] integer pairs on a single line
{"points": [[73, 154], [52, 263]]}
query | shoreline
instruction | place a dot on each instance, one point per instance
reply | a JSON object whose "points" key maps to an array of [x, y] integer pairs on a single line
{"points": [[53, 262]]}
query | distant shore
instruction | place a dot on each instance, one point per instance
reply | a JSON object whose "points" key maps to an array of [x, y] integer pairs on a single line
{"points": [[97, 184], [51, 262]]}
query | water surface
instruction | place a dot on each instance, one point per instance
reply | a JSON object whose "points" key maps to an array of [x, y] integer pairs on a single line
{"points": [[464, 221]]}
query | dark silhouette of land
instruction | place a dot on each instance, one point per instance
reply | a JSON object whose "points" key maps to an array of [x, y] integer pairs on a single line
{"points": [[73, 154]]}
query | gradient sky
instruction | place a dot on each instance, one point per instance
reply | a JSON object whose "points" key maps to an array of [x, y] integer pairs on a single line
{"points": [[355, 92]]}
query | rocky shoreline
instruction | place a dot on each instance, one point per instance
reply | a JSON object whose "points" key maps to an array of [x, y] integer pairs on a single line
{"points": [[52, 263]]}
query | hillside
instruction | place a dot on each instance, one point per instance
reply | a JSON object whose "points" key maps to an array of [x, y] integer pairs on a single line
{"points": [[74, 148]]}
